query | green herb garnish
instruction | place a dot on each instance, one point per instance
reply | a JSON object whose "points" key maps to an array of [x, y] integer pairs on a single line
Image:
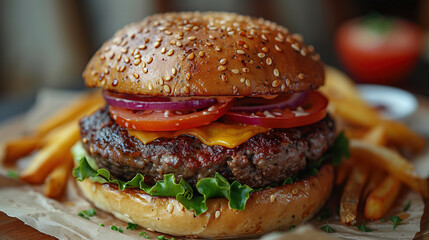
{"points": [[364, 228], [115, 228], [323, 214], [142, 233], [132, 226], [327, 228], [87, 213], [12, 174], [406, 206], [146, 236], [396, 220], [291, 228], [101, 224], [80, 214]]}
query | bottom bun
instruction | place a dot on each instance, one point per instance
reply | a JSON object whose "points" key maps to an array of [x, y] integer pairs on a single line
{"points": [[271, 209]]}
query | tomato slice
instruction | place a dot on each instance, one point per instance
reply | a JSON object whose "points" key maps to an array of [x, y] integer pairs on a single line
{"points": [[312, 110], [172, 120]]}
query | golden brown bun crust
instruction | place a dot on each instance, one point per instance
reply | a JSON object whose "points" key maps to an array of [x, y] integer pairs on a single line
{"points": [[204, 54], [266, 210]]}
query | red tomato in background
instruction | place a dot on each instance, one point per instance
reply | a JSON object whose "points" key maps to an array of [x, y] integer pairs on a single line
{"points": [[379, 50]]}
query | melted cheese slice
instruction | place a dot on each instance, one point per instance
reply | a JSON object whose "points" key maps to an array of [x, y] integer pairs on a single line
{"points": [[227, 135]]}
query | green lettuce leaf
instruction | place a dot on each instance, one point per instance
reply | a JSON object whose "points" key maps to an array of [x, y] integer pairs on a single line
{"points": [[236, 193], [337, 152]]}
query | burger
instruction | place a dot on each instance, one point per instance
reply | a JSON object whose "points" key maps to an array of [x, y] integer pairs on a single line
{"points": [[213, 127]]}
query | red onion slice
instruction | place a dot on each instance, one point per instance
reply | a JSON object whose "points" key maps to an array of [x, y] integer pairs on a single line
{"points": [[154, 103], [294, 101]]}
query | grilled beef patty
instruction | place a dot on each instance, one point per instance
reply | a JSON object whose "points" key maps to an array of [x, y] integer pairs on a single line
{"points": [[265, 159]]}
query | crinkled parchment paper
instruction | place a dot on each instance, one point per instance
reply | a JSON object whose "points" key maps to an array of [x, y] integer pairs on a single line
{"points": [[59, 217]]}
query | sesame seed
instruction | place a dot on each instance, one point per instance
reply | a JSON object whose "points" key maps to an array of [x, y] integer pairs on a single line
{"points": [[221, 68], [265, 49], [275, 83], [261, 55], [278, 49], [179, 43], [212, 37], [188, 76], [248, 82], [242, 80], [310, 49], [160, 81], [283, 87], [315, 57], [150, 87], [157, 44], [174, 71], [135, 75], [223, 61], [264, 37], [149, 60], [102, 57], [111, 55], [137, 56], [201, 54], [167, 32], [122, 68], [276, 72], [186, 89], [301, 76], [235, 71], [170, 52], [217, 214], [303, 52], [163, 50], [118, 58], [169, 208], [218, 48], [240, 51], [234, 89], [173, 42], [272, 198], [191, 56], [223, 77], [287, 81], [178, 37], [294, 191], [106, 71], [114, 82], [269, 61], [145, 70], [146, 40], [126, 60], [124, 50], [192, 38], [240, 42], [295, 47], [245, 70], [278, 39], [167, 78]]}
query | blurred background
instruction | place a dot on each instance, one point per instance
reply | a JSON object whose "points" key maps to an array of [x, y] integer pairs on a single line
{"points": [[47, 43]]}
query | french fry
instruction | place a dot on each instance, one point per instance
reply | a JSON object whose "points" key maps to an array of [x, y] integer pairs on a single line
{"points": [[83, 106], [376, 136], [374, 180], [391, 162], [355, 113], [17, 148], [342, 172], [56, 181], [51, 155], [382, 198], [402, 137], [351, 194]]}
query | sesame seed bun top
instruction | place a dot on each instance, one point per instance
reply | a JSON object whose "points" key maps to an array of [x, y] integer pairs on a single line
{"points": [[204, 54]]}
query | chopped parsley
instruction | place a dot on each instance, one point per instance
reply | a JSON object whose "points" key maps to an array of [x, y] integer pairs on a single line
{"points": [[132, 226], [323, 214], [327, 228], [163, 238], [12, 174], [364, 228], [406, 206], [142, 233], [101, 224], [292, 227], [115, 228], [87, 213], [396, 220]]}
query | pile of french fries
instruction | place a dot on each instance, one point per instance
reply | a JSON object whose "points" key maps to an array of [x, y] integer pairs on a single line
{"points": [[377, 170], [53, 139]]}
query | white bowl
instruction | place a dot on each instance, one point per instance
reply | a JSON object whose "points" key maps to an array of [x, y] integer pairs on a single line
{"points": [[393, 103]]}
